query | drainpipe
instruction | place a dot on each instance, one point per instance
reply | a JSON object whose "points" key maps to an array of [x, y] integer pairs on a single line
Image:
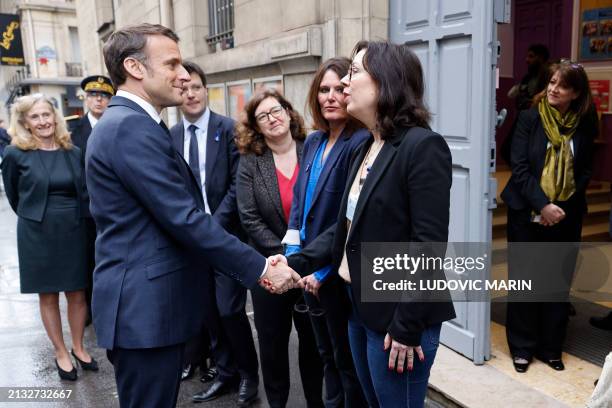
{"points": [[166, 19], [32, 42]]}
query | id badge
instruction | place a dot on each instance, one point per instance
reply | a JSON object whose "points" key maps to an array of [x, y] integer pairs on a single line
{"points": [[351, 205]]}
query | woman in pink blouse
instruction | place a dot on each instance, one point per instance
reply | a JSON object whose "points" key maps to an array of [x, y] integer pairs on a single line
{"points": [[270, 139]]}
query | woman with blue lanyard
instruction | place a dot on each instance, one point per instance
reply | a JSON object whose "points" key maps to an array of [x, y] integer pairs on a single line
{"points": [[316, 202]]}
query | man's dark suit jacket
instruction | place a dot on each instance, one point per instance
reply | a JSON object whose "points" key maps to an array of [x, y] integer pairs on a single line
{"points": [[405, 198], [259, 202], [79, 133], [26, 181], [5, 140], [153, 235], [328, 192], [221, 166], [528, 153]]}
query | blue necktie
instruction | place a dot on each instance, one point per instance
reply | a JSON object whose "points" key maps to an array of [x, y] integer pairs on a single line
{"points": [[194, 155]]}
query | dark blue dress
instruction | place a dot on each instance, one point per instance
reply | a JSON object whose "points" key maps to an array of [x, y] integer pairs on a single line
{"points": [[52, 253]]}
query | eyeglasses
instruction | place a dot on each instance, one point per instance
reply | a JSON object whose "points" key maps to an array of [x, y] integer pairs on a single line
{"points": [[95, 94], [276, 113], [353, 70]]}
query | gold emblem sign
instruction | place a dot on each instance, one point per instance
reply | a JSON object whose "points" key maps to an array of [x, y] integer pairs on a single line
{"points": [[8, 36]]}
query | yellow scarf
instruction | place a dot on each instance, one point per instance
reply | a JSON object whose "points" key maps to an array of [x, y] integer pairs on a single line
{"points": [[558, 174]]}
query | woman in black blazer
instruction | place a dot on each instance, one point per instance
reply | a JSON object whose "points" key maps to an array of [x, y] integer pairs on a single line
{"points": [[316, 201], [270, 140], [551, 160], [398, 190], [43, 178]]}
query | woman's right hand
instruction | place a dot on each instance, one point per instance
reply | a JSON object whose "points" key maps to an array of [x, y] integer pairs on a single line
{"points": [[551, 214]]}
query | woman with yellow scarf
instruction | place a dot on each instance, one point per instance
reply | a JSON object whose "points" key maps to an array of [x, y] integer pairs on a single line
{"points": [[551, 159]]}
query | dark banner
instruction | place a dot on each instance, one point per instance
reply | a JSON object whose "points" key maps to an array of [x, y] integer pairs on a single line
{"points": [[11, 47]]}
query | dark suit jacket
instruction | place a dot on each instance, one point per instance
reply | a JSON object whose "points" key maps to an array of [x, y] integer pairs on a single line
{"points": [[259, 203], [153, 235], [221, 166], [328, 193], [26, 181], [5, 140], [80, 133], [528, 153], [405, 198]]}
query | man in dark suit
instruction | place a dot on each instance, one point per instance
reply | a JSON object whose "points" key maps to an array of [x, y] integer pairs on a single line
{"points": [[5, 140], [154, 235], [98, 91], [206, 141]]}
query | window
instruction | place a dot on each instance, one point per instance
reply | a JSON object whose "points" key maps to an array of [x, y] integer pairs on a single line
{"points": [[73, 33], [221, 23]]}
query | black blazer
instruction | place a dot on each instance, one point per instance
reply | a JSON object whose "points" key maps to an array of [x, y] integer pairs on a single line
{"points": [[328, 192], [528, 153], [26, 181], [221, 166], [405, 198], [259, 202], [80, 134]]}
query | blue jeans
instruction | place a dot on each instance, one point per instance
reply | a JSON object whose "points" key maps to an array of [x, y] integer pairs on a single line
{"points": [[382, 387]]}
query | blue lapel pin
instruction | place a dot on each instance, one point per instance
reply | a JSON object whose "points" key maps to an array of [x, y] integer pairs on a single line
{"points": [[217, 135]]}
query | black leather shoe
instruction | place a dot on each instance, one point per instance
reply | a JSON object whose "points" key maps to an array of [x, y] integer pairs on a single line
{"points": [[209, 375], [555, 364], [603, 323], [247, 392], [520, 367], [91, 366], [217, 389], [187, 372], [66, 375]]}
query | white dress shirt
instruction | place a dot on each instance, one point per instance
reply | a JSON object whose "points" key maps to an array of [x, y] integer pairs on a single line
{"points": [[92, 119], [142, 103], [201, 135]]}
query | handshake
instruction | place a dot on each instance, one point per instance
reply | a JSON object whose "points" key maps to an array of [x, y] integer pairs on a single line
{"points": [[279, 277]]}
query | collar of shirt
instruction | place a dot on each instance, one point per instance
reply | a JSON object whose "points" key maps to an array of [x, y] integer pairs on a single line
{"points": [[142, 103], [201, 124], [92, 119]]}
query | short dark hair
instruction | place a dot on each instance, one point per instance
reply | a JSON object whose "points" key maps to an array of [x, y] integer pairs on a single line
{"points": [[248, 136], [192, 67], [540, 50], [397, 72], [339, 65], [130, 42]]}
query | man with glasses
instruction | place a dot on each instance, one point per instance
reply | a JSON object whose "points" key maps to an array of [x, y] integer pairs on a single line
{"points": [[98, 91]]}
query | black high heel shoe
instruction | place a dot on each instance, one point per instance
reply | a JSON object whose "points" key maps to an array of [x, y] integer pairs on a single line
{"points": [[555, 364], [66, 375], [91, 366], [518, 366]]}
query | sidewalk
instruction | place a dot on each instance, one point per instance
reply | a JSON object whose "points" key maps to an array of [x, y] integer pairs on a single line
{"points": [[497, 384]]}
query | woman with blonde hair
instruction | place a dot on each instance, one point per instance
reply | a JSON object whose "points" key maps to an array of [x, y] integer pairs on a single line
{"points": [[44, 182]]}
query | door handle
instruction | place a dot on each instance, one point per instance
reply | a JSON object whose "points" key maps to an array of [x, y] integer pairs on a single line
{"points": [[501, 117]]}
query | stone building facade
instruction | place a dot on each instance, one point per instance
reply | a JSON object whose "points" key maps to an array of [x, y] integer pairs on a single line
{"points": [[243, 45], [52, 54]]}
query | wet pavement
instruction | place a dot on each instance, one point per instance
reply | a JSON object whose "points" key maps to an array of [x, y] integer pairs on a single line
{"points": [[26, 354]]}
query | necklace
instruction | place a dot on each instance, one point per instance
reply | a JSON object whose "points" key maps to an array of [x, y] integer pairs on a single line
{"points": [[369, 160]]}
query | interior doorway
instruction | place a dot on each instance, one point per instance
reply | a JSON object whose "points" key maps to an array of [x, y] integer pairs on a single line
{"points": [[550, 23]]}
